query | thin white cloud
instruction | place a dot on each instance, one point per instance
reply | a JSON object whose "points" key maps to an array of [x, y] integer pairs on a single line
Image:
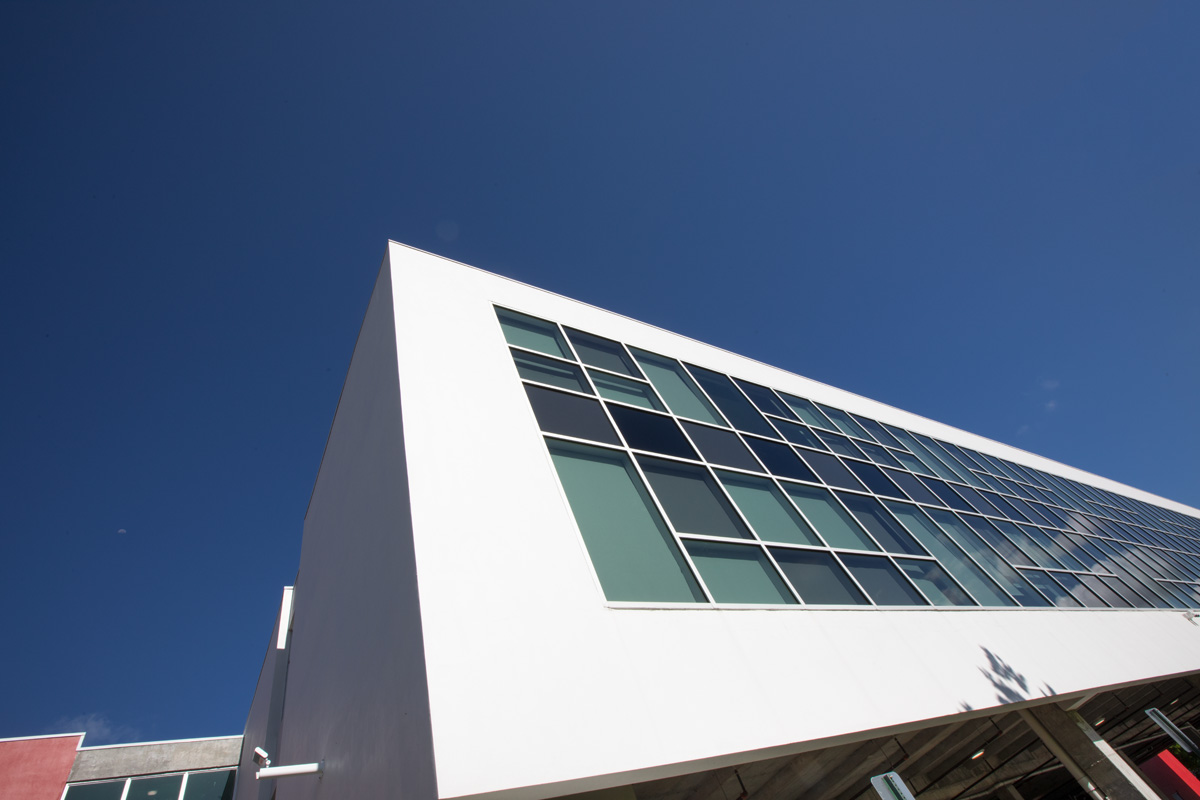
{"points": [[1050, 384], [99, 729], [1051, 405]]}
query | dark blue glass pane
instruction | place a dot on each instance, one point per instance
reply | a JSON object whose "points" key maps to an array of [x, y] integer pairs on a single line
{"points": [[570, 415], [721, 447], [831, 470], [914, 488], [841, 445], [765, 399], [733, 404], [796, 433], [877, 430], [889, 533], [947, 495], [780, 459], [874, 479], [879, 455], [645, 430]]}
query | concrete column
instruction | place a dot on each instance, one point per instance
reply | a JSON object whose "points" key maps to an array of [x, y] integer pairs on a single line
{"points": [[1100, 770]]}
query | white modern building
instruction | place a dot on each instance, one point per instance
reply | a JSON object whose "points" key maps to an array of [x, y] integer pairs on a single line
{"points": [[551, 550]]}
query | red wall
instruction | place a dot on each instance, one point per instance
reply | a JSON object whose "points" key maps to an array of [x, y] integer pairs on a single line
{"points": [[37, 769], [1171, 777]]}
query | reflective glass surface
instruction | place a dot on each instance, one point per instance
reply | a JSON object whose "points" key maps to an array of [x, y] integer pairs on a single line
{"points": [[818, 577], [570, 415], [738, 574]]}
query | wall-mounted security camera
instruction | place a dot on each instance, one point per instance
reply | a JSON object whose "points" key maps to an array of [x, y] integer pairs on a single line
{"points": [[261, 758]]}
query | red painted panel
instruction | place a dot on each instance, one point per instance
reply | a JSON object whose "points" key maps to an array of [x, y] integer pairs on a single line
{"points": [[37, 769], [1172, 778]]}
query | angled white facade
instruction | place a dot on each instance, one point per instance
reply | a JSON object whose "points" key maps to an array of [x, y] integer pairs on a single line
{"points": [[451, 636]]}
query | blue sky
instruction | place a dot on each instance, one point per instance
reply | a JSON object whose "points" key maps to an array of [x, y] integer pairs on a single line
{"points": [[986, 213]]}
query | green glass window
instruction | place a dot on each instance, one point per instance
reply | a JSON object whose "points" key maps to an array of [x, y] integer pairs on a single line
{"points": [[766, 509], [209, 785], [633, 552], [692, 500], [1049, 587], [845, 423], [108, 790], [624, 390], [998, 568], [562, 374], [158, 788], [681, 395], [832, 521], [933, 581], [738, 573], [818, 578], [883, 581], [603, 353], [808, 412], [532, 333], [880, 524]]}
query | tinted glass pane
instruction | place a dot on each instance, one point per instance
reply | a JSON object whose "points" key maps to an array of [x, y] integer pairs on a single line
{"points": [[845, 423], [546, 370], [1101, 589], [1005, 507], [633, 552], [1083, 594], [765, 399], [532, 333], [162, 788], [738, 574], [946, 494], [796, 433], [109, 790], [719, 446], [933, 581], [818, 578], [880, 524], [999, 569], [841, 445], [209, 786], [878, 454], [677, 389], [808, 412], [998, 542], [913, 487], [570, 415], [624, 390], [1050, 587], [874, 479], [1022, 540], [654, 432], [883, 581], [912, 462], [950, 555], [780, 459], [733, 403], [691, 499], [1049, 539], [603, 353], [832, 521], [877, 431], [832, 471], [771, 516], [976, 500]]}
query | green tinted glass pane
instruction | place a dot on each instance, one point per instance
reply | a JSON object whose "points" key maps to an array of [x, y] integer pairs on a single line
{"points": [[912, 462], [889, 533], [845, 423], [949, 555], [883, 581], [624, 390], [532, 333], [818, 578], [738, 574], [160, 788], [808, 412], [634, 554], [209, 785], [547, 370], [832, 521], [603, 353], [935, 583], [109, 790], [692, 500], [768, 512], [677, 389]]}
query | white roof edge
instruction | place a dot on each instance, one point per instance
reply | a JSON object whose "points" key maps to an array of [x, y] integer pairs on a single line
{"points": [[80, 734], [161, 741]]}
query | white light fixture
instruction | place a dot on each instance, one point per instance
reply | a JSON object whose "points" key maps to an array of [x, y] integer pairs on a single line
{"points": [[317, 769]]}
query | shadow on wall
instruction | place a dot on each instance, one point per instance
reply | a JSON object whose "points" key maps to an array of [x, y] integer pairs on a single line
{"points": [[1011, 686]]}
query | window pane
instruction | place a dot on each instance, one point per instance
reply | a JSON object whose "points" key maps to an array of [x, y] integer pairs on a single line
{"points": [[880, 524], [934, 582], [733, 404], [691, 499], [878, 454], [765, 399], [719, 446], [738, 573], [883, 581], [832, 522], [912, 462], [1023, 540], [209, 786], [1102, 589], [624, 390], [874, 479], [877, 431], [1049, 587], [950, 555], [914, 488], [845, 423], [677, 389], [832, 471], [546, 370], [532, 333], [1083, 594], [633, 552], [1000, 571], [109, 790], [602, 353], [654, 432], [999, 543], [818, 578], [161, 788], [570, 415], [808, 412], [770, 514], [796, 433], [780, 459], [947, 495], [841, 445]]}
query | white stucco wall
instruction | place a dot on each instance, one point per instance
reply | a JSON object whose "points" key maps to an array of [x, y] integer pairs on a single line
{"points": [[537, 687]]}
